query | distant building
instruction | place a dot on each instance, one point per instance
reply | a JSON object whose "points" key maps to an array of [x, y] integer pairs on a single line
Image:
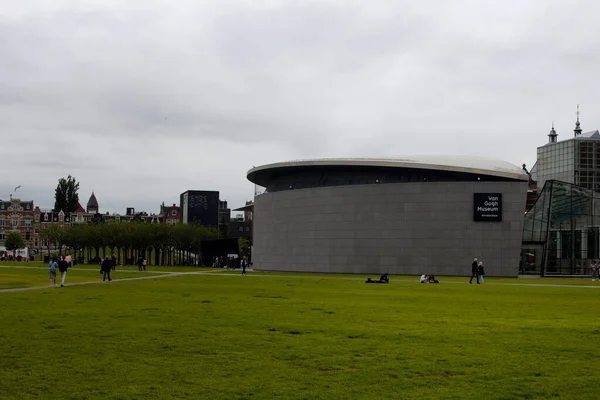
{"points": [[243, 227], [169, 214], [200, 206], [17, 215], [561, 233], [575, 160], [224, 218], [92, 205]]}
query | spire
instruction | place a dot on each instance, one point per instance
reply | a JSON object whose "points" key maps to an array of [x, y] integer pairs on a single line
{"points": [[92, 205], [552, 136], [577, 129]]}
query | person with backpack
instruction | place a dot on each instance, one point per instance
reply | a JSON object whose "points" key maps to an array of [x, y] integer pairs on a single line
{"points": [[63, 265], [53, 266]]}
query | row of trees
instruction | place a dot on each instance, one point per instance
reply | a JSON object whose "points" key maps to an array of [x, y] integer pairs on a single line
{"points": [[167, 244]]}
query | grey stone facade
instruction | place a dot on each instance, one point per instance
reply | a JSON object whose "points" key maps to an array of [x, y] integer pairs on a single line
{"points": [[400, 228]]}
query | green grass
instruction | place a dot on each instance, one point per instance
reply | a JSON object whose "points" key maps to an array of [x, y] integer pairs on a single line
{"points": [[31, 277], [299, 337], [175, 268]]}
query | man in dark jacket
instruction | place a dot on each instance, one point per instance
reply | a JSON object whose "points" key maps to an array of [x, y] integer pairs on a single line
{"points": [[474, 271], [62, 267], [105, 268]]}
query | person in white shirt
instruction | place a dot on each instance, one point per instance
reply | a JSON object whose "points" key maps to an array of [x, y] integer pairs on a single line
{"points": [[423, 279]]}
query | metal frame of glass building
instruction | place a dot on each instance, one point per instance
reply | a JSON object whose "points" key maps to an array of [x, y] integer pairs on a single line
{"points": [[561, 233]]}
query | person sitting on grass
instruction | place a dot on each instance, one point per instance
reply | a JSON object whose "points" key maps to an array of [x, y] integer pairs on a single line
{"points": [[424, 279], [431, 279]]}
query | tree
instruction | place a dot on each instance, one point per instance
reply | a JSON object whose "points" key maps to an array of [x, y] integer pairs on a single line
{"points": [[14, 241], [244, 246], [66, 197]]}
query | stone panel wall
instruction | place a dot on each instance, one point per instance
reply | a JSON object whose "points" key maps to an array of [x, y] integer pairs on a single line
{"points": [[408, 228]]}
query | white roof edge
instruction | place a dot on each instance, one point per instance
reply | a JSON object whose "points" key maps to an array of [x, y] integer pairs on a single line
{"points": [[467, 164]]}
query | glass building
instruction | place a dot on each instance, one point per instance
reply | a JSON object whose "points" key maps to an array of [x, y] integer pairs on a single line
{"points": [[575, 160], [561, 233]]}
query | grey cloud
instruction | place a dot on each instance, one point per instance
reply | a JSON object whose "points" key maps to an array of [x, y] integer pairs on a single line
{"points": [[144, 100]]}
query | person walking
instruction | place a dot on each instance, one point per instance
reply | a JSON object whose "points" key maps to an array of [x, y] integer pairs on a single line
{"points": [[474, 271], [63, 265], [140, 263], [480, 272], [105, 268], [244, 265], [53, 266]]}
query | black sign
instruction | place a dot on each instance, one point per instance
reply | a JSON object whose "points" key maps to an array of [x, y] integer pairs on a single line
{"points": [[487, 207]]}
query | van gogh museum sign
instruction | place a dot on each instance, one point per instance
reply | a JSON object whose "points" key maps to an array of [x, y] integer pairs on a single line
{"points": [[487, 207]]}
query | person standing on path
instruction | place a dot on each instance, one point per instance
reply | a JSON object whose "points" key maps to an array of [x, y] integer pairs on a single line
{"points": [[474, 271], [105, 268], [244, 265], [480, 272], [52, 266], [63, 265]]}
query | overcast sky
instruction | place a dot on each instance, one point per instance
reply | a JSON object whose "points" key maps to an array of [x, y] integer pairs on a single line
{"points": [[142, 100]]}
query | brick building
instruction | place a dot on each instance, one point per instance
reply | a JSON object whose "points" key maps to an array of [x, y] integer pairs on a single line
{"points": [[17, 215], [169, 214]]}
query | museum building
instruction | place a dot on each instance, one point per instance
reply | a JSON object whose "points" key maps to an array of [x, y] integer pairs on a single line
{"points": [[399, 215]]}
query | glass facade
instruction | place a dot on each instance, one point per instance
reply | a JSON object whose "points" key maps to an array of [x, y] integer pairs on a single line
{"points": [[574, 161], [556, 161], [561, 234], [303, 177], [587, 162]]}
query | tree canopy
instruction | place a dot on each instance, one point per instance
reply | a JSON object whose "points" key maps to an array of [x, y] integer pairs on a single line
{"points": [[66, 197], [14, 241], [166, 240]]}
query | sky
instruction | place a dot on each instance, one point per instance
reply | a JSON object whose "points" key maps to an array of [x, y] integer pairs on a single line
{"points": [[142, 100]]}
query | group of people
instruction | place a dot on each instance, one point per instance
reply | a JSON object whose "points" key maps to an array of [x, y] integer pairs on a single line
{"points": [[63, 263], [477, 271], [62, 266], [428, 278]]}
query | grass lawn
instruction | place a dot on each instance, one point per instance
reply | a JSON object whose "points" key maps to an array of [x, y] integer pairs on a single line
{"points": [[30, 277], [175, 268], [267, 336]]}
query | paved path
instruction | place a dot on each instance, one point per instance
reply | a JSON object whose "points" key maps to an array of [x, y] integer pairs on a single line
{"points": [[165, 274], [416, 280]]}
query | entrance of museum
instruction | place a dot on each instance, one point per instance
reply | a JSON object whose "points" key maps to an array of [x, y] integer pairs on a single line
{"points": [[572, 252]]}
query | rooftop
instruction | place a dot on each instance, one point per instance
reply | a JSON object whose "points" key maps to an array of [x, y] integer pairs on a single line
{"points": [[466, 164]]}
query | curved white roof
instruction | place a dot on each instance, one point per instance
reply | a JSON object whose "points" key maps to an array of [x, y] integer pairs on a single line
{"points": [[467, 164]]}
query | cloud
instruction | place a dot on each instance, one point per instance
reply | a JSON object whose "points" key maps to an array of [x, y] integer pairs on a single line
{"points": [[143, 100]]}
